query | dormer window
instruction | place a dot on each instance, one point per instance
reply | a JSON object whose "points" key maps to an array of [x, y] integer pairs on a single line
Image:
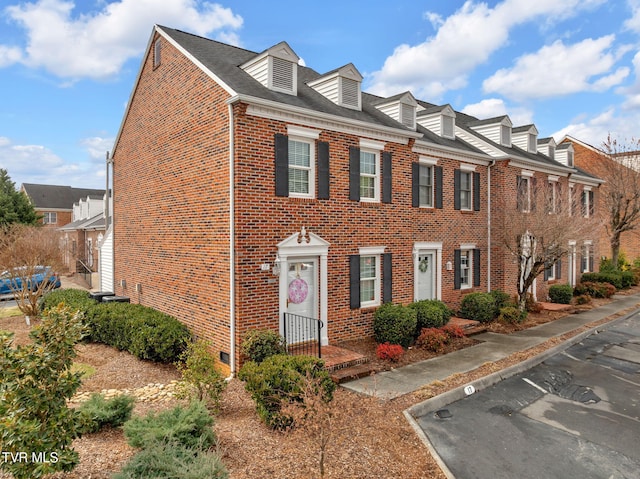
{"points": [[447, 127], [505, 135], [570, 158], [440, 120], [401, 108], [276, 69], [552, 152], [532, 143], [341, 86]]}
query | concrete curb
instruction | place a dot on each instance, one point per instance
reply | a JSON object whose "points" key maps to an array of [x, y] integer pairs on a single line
{"points": [[438, 402]]}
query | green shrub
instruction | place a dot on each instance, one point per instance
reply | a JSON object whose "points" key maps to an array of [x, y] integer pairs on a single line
{"points": [[157, 336], [628, 279], [144, 332], [259, 344], [200, 378], [173, 461], [74, 299], [501, 299], [394, 324], [614, 278], [595, 290], [511, 315], [35, 383], [478, 306], [561, 293], [190, 427], [431, 313], [279, 380], [99, 412]]}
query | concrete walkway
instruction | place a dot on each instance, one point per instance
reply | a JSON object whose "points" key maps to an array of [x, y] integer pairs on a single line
{"points": [[493, 347]]}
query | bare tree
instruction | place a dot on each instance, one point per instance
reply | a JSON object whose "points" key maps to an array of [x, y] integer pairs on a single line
{"points": [[24, 250], [537, 233], [619, 166]]}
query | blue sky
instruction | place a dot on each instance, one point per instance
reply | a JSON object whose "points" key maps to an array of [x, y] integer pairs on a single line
{"points": [[67, 67]]}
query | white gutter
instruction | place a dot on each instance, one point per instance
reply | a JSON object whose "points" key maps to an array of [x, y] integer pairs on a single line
{"points": [[232, 246]]}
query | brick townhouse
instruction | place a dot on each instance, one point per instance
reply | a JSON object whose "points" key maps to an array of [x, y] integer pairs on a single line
{"points": [[246, 186]]}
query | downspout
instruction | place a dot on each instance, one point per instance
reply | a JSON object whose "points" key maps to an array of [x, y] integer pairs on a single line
{"points": [[493, 162], [232, 254]]}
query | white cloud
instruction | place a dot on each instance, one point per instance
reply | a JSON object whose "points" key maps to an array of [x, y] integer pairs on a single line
{"points": [[19, 161], [493, 107], [595, 131], [463, 41], [9, 55], [96, 45], [97, 147], [559, 69], [633, 22]]}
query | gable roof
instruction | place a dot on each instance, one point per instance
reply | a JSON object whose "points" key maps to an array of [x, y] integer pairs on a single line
{"points": [[57, 197]]}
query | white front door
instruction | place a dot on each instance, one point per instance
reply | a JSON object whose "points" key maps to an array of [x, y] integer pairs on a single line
{"points": [[426, 279], [302, 298]]}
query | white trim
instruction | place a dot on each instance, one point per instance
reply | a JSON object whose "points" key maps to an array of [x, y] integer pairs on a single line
{"points": [[311, 169], [428, 246], [377, 177], [371, 144], [377, 280], [427, 148], [468, 246], [423, 160], [295, 130], [232, 246], [553, 178], [467, 168], [315, 247], [527, 173], [371, 250]]}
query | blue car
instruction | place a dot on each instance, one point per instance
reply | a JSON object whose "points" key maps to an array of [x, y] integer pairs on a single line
{"points": [[9, 285]]}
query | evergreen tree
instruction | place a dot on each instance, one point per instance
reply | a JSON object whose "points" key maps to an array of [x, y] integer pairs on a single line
{"points": [[15, 207]]}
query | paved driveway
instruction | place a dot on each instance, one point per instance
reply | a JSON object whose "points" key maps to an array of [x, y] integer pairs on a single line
{"points": [[576, 415]]}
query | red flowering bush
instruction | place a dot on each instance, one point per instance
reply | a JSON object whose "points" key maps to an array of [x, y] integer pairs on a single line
{"points": [[389, 352], [453, 331], [432, 339]]}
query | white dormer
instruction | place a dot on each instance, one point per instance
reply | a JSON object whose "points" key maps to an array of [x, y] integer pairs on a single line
{"points": [[525, 137], [496, 129], [547, 146], [341, 86], [276, 68], [401, 108], [439, 120], [564, 154]]}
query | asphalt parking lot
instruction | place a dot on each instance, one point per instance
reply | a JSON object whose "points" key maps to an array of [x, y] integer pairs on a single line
{"points": [[576, 415]]}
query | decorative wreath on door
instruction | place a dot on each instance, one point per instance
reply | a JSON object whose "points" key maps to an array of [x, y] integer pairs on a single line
{"points": [[298, 291], [423, 265]]}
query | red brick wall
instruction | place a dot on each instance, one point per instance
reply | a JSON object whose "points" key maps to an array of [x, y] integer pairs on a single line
{"points": [[171, 204]]}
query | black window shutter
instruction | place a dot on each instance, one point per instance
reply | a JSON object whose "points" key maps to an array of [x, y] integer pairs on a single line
{"points": [[547, 270], [591, 204], [282, 164], [354, 173], [387, 282], [386, 177], [559, 269], [476, 191], [456, 189], [533, 192], [323, 170], [354, 280], [437, 171], [456, 268], [476, 267], [415, 185]]}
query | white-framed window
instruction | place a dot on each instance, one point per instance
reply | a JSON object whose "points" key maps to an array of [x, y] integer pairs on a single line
{"points": [[552, 198], [50, 218], [466, 265], [425, 185], [370, 276], [587, 202], [301, 167], [369, 175], [466, 190]]}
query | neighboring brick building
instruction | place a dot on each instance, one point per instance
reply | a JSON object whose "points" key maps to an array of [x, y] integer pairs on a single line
{"points": [[247, 186], [596, 161]]}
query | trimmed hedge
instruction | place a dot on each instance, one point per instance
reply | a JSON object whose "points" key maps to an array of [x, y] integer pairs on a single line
{"points": [[259, 344], [430, 313], [561, 293], [279, 379], [478, 306], [394, 324], [501, 299], [595, 290], [142, 331], [613, 277]]}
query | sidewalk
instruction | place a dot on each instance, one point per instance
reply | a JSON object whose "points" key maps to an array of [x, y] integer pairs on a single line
{"points": [[493, 347]]}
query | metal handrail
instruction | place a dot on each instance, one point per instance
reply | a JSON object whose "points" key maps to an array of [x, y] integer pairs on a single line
{"points": [[302, 334]]}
